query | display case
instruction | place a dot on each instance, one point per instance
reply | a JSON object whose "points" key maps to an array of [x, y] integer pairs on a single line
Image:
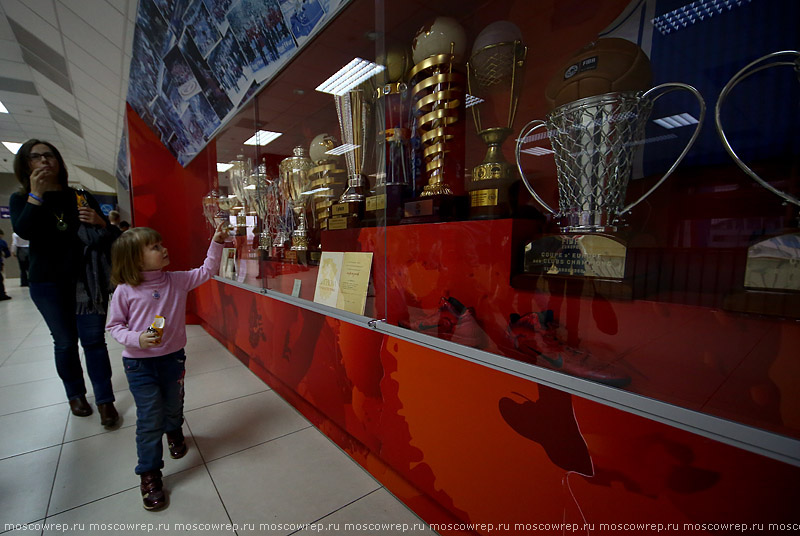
{"points": [[583, 214]]}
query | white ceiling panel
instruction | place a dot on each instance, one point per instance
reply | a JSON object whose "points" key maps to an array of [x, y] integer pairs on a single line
{"points": [[14, 69], [101, 15], [43, 29], [92, 66], [90, 40], [95, 39], [9, 50], [54, 93], [87, 89]]}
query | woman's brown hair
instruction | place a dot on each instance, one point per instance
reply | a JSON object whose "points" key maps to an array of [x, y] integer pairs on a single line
{"points": [[126, 255], [22, 165]]}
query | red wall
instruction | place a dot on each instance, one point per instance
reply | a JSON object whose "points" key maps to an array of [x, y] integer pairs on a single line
{"points": [[458, 441], [168, 197]]}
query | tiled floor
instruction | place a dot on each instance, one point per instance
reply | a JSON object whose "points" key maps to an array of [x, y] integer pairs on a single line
{"points": [[255, 465]]}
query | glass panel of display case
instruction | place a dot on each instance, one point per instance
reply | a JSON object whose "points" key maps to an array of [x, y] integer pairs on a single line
{"points": [[232, 197], [604, 189], [311, 171]]}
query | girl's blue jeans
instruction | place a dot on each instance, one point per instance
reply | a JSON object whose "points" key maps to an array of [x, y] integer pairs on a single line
{"points": [[56, 303], [156, 384]]}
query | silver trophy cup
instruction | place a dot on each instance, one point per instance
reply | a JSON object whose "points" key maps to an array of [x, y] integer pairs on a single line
{"points": [[594, 143], [787, 58]]}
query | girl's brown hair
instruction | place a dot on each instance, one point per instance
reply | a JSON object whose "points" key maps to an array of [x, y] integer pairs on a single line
{"points": [[126, 255]]}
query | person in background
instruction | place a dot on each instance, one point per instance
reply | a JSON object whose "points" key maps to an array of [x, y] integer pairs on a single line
{"points": [[69, 271], [4, 254], [124, 226], [114, 218], [147, 316], [19, 249]]}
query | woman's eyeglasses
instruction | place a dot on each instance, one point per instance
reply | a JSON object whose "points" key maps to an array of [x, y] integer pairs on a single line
{"points": [[33, 157]]}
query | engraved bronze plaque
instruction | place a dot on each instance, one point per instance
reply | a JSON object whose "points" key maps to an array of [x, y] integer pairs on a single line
{"points": [[376, 202], [483, 198], [591, 255]]}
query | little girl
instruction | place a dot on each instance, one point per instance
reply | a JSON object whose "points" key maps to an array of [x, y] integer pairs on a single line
{"points": [[154, 362]]}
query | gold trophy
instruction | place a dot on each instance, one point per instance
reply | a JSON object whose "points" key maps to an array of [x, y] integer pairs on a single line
{"points": [[295, 183], [328, 178], [437, 89], [351, 110], [494, 79]]}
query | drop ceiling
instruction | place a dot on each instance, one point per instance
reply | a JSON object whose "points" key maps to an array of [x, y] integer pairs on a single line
{"points": [[64, 79]]}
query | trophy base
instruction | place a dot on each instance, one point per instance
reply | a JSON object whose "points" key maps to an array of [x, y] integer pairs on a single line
{"points": [[386, 207], [488, 204], [434, 209], [346, 215], [586, 256], [337, 223]]}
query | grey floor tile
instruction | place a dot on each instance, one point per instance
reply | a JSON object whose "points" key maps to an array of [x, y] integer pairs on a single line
{"points": [[101, 465], [210, 360], [193, 501], [214, 387], [38, 394], [294, 479], [25, 483], [40, 353], [11, 374], [380, 512], [237, 424], [32, 430]]}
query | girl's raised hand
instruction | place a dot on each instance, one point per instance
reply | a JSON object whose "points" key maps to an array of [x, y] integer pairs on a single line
{"points": [[221, 232]]}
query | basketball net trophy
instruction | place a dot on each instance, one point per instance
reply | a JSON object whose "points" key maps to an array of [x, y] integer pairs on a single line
{"points": [[594, 140], [295, 182], [438, 96], [351, 110], [494, 75], [774, 263]]}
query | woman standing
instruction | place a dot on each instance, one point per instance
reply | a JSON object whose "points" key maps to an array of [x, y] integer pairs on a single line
{"points": [[69, 271]]}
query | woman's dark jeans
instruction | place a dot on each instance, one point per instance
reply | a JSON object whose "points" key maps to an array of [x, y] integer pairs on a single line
{"points": [[157, 387], [56, 303]]}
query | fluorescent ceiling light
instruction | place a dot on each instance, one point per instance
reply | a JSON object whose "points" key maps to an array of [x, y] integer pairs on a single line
{"points": [[349, 76], [676, 121], [223, 167], [12, 146], [472, 100], [263, 137], [3, 109], [537, 151], [343, 148], [692, 13]]}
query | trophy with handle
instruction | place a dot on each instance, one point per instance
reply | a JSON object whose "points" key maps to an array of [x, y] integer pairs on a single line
{"points": [[352, 111], [594, 140], [494, 78], [773, 263], [295, 180]]}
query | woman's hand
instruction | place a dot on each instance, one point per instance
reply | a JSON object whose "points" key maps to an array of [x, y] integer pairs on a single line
{"points": [[88, 215], [43, 180], [221, 233], [148, 339]]}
